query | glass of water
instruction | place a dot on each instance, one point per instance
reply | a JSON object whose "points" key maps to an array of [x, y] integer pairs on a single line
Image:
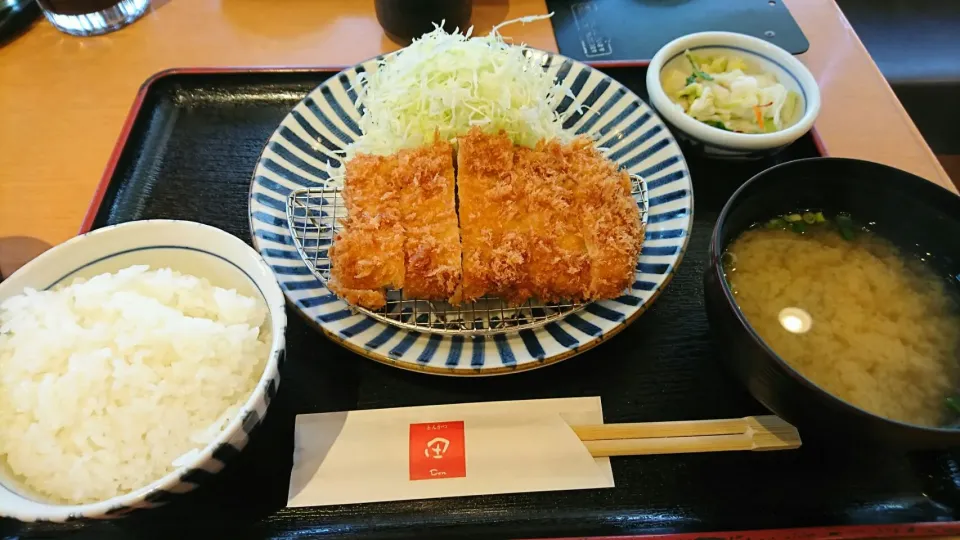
{"points": [[92, 17]]}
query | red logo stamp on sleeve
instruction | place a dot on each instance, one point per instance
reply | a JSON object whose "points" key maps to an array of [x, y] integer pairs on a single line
{"points": [[437, 450]]}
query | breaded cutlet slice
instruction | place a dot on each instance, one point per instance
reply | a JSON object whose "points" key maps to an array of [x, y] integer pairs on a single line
{"points": [[493, 228], [367, 255], [609, 219], [429, 216], [558, 266]]}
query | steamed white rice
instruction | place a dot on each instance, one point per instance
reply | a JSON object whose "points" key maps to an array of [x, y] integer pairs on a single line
{"points": [[106, 382]]}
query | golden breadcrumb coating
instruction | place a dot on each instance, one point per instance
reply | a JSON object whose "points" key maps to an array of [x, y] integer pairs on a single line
{"points": [[609, 219], [556, 222], [493, 225], [367, 255], [559, 267], [429, 216]]}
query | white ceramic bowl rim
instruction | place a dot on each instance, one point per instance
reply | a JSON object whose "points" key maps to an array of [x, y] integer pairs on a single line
{"points": [[750, 45], [272, 296]]}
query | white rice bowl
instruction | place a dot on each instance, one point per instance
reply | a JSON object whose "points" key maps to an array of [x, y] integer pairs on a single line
{"points": [[108, 384]]}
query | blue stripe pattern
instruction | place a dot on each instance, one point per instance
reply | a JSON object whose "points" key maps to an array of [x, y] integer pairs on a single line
{"points": [[433, 343], [270, 202], [286, 173], [666, 234], [476, 359], [533, 344], [617, 96], [383, 337], [646, 154], [335, 316], [641, 285], [291, 270], [401, 348], [307, 284], [327, 123], [313, 137], [637, 142], [348, 87], [672, 196], [605, 312], [628, 300], [667, 216], [582, 325], [659, 251], [653, 169], [563, 71], [270, 185], [339, 112], [587, 104], [665, 179], [653, 268], [456, 347], [621, 116], [561, 336], [268, 219], [503, 348], [317, 300], [281, 254], [299, 163], [575, 88], [587, 126], [358, 328]]}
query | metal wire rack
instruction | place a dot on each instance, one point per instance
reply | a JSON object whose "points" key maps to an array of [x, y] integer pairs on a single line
{"points": [[313, 217]]}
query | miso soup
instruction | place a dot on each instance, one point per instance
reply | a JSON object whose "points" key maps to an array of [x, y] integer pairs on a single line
{"points": [[846, 308]]}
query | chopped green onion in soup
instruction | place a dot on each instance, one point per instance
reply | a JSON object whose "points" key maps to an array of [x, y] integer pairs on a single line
{"points": [[799, 221]]}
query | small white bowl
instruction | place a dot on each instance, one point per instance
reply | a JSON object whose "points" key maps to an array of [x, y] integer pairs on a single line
{"points": [[191, 248], [716, 142]]}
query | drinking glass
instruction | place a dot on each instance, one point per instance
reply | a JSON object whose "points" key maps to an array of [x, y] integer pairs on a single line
{"points": [[92, 17]]}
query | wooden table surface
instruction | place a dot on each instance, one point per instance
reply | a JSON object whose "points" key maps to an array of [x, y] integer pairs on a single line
{"points": [[65, 98]]}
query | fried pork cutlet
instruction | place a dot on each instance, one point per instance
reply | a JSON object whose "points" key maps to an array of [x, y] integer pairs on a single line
{"points": [[367, 255], [558, 267], [493, 228], [609, 219], [429, 216], [556, 222]]}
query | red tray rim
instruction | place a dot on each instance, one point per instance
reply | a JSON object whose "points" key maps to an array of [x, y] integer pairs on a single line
{"points": [[840, 532]]}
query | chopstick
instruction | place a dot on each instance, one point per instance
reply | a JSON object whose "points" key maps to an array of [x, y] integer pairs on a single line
{"points": [[749, 433]]}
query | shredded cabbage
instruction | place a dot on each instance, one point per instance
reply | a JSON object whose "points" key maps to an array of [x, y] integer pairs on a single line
{"points": [[721, 92], [445, 84]]}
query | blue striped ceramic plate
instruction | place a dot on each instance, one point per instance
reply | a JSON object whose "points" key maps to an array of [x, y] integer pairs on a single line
{"points": [[312, 135]]}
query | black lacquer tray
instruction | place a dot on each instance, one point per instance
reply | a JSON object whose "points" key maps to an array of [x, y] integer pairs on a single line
{"points": [[188, 151]]}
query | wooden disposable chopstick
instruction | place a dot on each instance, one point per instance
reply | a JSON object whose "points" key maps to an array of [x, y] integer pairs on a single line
{"points": [[750, 433]]}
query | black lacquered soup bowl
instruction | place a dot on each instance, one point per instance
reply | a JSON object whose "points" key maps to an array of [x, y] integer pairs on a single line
{"points": [[913, 213]]}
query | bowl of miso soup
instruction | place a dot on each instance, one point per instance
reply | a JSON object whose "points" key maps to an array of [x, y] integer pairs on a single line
{"points": [[834, 288]]}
